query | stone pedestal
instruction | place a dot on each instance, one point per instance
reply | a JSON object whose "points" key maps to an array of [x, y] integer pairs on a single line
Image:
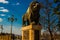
{"points": [[31, 32]]}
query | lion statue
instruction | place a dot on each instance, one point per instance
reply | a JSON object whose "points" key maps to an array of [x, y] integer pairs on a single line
{"points": [[32, 15]]}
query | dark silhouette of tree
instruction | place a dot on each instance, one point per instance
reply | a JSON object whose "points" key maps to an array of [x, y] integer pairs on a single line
{"points": [[56, 1], [49, 20], [57, 12]]}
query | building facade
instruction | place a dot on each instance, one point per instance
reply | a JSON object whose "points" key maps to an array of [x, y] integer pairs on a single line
{"points": [[6, 36]]}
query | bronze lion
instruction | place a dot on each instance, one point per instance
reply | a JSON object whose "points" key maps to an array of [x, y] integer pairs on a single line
{"points": [[32, 15]]}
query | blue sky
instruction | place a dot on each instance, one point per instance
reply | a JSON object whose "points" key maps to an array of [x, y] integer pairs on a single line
{"points": [[16, 8], [12, 7]]}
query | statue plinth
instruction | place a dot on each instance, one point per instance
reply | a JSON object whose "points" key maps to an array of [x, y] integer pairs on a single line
{"points": [[31, 32]]}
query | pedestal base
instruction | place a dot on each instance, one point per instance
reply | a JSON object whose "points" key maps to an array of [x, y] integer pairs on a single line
{"points": [[31, 32]]}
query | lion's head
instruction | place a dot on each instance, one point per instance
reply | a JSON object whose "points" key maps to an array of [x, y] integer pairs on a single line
{"points": [[35, 6]]}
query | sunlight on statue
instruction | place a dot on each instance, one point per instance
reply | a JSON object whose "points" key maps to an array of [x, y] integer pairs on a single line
{"points": [[32, 14]]}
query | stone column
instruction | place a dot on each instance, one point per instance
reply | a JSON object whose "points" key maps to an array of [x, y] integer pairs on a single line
{"points": [[31, 34], [28, 32], [22, 35]]}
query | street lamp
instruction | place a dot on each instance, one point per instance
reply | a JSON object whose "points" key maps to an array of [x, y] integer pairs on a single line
{"points": [[12, 19], [1, 26]]}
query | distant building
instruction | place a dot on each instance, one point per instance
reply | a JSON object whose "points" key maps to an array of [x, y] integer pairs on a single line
{"points": [[7, 36]]}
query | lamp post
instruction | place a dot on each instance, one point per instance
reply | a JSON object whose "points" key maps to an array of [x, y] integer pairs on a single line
{"points": [[12, 19], [1, 28]]}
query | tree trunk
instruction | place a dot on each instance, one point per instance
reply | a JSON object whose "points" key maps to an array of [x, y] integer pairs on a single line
{"points": [[50, 33]]}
